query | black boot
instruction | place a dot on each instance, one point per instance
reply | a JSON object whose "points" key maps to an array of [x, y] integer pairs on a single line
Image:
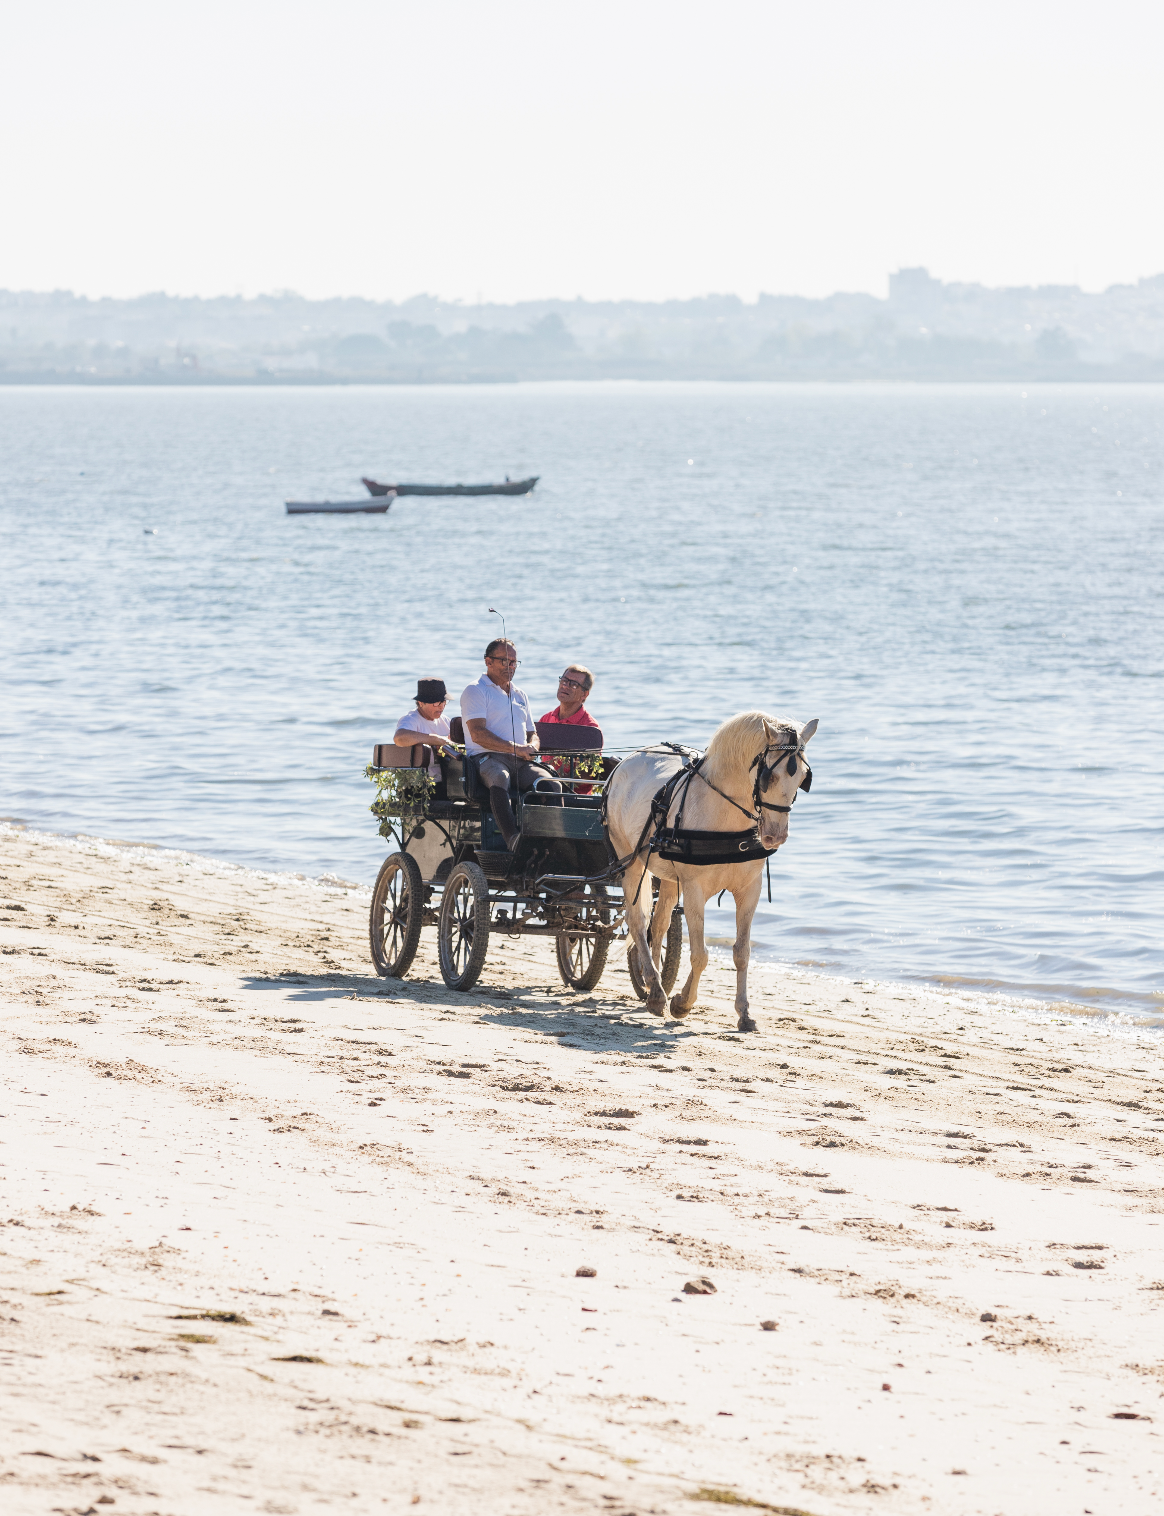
{"points": [[503, 815]]}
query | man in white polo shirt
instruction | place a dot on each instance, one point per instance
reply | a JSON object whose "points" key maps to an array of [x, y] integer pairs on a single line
{"points": [[500, 733]]}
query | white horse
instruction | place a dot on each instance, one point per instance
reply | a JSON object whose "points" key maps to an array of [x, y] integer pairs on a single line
{"points": [[750, 775]]}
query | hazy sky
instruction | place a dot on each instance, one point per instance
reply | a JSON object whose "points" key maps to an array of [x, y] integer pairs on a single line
{"points": [[644, 148]]}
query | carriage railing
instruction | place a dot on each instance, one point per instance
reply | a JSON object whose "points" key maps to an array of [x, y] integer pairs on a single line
{"points": [[390, 764]]}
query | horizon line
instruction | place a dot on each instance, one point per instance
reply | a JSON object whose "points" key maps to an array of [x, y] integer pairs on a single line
{"points": [[480, 303]]}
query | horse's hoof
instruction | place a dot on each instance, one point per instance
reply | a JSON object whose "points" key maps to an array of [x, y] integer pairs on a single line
{"points": [[746, 1024], [659, 1008], [679, 1011]]}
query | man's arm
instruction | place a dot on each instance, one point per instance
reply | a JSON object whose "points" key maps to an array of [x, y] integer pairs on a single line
{"points": [[483, 737], [408, 737]]}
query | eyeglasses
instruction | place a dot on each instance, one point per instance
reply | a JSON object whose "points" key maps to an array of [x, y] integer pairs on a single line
{"points": [[432, 702], [572, 684], [513, 662]]}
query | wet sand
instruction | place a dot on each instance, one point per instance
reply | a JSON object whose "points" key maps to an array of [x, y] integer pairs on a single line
{"points": [[311, 1238]]}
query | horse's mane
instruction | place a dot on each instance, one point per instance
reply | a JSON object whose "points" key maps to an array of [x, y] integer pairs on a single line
{"points": [[741, 737]]}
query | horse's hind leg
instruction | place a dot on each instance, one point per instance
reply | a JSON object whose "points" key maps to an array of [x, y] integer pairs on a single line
{"points": [[746, 900], [694, 901], [637, 925]]}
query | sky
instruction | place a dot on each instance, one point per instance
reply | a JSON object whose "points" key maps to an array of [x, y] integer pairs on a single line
{"points": [[638, 149]]}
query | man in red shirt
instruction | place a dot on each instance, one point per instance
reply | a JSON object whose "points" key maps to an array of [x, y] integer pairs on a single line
{"points": [[573, 690]]}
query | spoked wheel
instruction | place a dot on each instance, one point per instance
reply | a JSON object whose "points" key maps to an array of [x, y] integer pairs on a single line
{"points": [[463, 926], [582, 958], [669, 961], [397, 906]]}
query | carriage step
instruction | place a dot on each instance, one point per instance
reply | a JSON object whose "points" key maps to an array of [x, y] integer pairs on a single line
{"points": [[495, 865]]}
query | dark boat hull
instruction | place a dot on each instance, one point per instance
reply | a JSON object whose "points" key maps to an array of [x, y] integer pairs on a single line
{"points": [[510, 487]]}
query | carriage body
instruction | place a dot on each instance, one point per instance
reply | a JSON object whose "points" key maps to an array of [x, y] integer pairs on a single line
{"points": [[453, 871]]}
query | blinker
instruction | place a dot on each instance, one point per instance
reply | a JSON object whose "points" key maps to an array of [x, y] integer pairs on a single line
{"points": [[806, 782], [792, 764]]}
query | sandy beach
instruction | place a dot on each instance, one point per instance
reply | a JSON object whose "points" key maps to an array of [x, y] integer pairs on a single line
{"points": [[312, 1238]]}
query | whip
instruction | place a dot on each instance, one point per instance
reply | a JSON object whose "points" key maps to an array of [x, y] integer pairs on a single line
{"points": [[505, 639]]}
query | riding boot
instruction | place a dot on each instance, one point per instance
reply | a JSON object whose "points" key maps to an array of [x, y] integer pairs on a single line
{"points": [[503, 815]]}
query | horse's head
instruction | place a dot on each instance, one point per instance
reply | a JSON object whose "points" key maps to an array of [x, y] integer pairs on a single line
{"points": [[781, 770]]}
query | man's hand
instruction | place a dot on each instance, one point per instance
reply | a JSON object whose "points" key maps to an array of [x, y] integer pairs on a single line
{"points": [[526, 752]]}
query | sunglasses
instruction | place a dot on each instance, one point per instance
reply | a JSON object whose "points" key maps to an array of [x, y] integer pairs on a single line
{"points": [[573, 684]]}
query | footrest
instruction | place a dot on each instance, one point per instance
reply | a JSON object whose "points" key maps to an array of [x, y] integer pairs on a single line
{"points": [[450, 810], [494, 865]]}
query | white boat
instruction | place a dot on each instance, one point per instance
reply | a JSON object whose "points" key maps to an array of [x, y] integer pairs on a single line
{"points": [[376, 507]]}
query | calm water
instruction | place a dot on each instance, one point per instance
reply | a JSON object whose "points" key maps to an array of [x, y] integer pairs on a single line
{"points": [[962, 583]]}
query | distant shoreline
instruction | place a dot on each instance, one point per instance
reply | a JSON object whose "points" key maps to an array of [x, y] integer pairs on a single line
{"points": [[925, 330], [337, 381]]}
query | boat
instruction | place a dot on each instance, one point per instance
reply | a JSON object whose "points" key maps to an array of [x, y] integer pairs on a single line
{"points": [[337, 507], [509, 487]]}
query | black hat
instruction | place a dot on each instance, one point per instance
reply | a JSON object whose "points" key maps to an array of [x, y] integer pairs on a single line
{"points": [[430, 691]]}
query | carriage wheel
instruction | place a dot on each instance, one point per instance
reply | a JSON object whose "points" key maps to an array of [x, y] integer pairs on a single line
{"points": [[394, 924], [582, 958], [463, 926], [669, 961]]}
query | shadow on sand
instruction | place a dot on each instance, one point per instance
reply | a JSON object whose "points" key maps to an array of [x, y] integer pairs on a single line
{"points": [[591, 1022]]}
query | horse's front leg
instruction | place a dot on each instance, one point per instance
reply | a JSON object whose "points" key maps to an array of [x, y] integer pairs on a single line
{"points": [[635, 886], [694, 901], [665, 903], [746, 900]]}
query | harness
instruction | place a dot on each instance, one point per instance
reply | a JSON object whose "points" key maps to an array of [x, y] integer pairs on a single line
{"points": [[677, 844]]}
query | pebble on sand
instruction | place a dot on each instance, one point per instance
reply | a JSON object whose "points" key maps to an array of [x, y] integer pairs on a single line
{"points": [[768, 1326], [584, 1271], [700, 1286]]}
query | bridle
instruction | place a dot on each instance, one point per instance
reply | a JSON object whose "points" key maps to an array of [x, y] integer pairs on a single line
{"points": [[765, 771]]}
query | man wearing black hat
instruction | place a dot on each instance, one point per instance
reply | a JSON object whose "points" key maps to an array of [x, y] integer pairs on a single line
{"points": [[426, 723]]}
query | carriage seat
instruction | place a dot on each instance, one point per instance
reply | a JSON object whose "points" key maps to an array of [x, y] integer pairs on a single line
{"points": [[386, 755], [469, 779], [556, 737], [460, 773], [568, 743]]}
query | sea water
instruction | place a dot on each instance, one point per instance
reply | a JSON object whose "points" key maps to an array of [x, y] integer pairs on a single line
{"points": [[962, 583]]}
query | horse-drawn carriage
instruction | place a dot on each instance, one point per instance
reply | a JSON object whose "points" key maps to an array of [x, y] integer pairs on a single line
{"points": [[580, 862], [453, 870]]}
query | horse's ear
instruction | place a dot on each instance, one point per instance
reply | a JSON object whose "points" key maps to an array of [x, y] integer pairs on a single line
{"points": [[808, 730], [770, 734]]}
